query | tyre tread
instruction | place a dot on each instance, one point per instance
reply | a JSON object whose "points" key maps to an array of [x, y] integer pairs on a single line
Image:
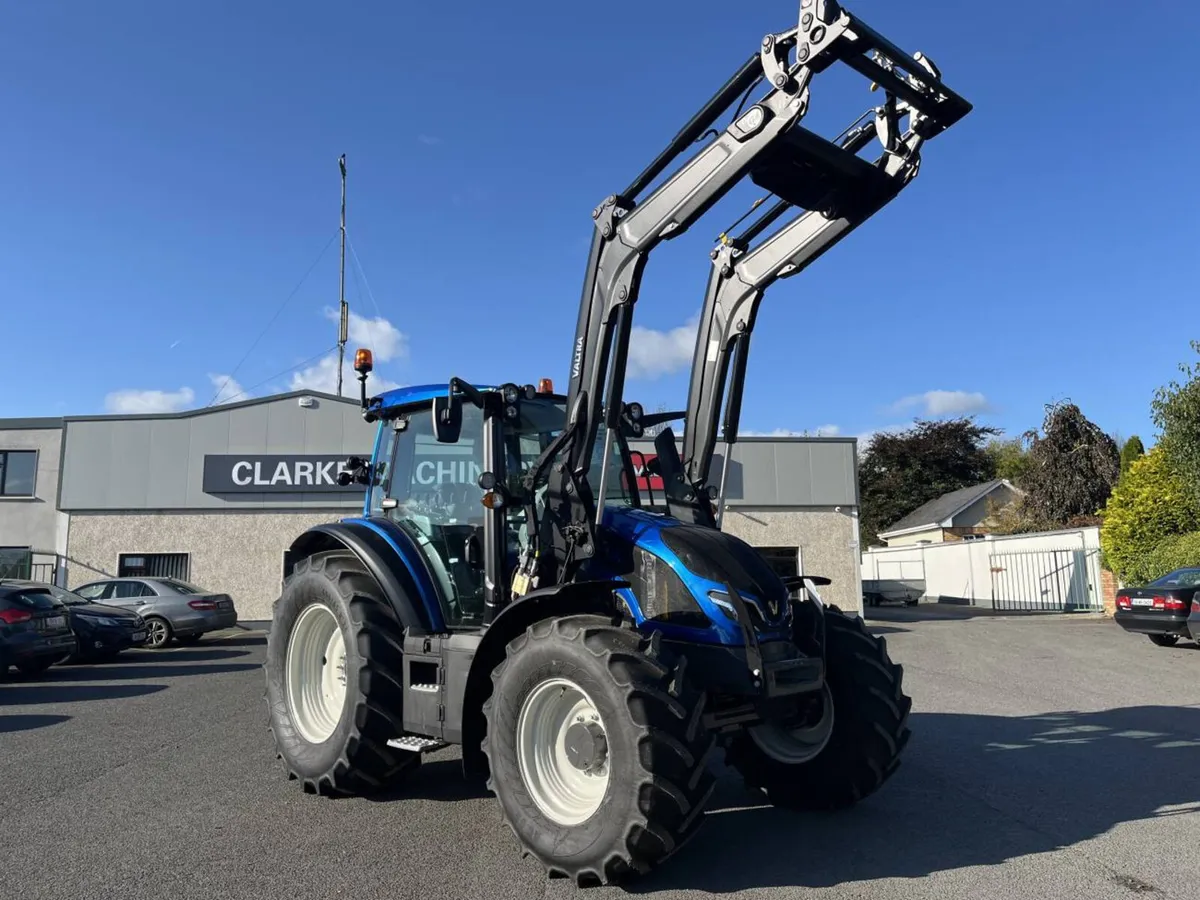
{"points": [[664, 711]]}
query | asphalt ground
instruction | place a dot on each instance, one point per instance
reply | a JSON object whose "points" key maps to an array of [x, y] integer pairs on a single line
{"points": [[1051, 757]]}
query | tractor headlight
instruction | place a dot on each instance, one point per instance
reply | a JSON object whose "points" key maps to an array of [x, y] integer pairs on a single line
{"points": [[662, 594]]}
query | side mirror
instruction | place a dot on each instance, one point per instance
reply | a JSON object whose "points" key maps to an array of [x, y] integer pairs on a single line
{"points": [[447, 418], [473, 552]]}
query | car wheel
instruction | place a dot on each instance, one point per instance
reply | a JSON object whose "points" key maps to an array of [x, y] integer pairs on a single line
{"points": [[1163, 640], [158, 633]]}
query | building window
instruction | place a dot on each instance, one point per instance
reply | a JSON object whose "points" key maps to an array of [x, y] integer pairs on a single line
{"points": [[16, 562], [784, 560], [17, 471], [153, 565]]}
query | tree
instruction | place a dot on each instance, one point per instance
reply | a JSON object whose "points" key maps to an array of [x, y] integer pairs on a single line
{"points": [[1130, 451], [1176, 413], [1073, 467], [1011, 459], [898, 472], [1150, 505]]}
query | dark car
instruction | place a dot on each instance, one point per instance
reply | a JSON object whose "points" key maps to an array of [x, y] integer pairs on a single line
{"points": [[1160, 609], [35, 630], [170, 607], [103, 631], [1194, 618]]}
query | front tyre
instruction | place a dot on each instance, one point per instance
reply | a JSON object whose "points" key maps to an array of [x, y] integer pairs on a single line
{"points": [[335, 679], [849, 741], [597, 749]]}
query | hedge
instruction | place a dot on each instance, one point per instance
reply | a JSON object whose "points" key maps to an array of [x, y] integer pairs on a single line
{"points": [[1176, 552]]}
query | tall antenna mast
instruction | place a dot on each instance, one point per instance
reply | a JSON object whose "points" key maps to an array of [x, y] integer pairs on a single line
{"points": [[344, 319]]}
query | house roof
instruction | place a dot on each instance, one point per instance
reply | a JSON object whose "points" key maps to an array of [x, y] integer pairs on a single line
{"points": [[940, 510]]}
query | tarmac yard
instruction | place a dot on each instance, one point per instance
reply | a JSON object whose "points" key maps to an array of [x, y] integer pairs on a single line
{"points": [[1051, 757]]}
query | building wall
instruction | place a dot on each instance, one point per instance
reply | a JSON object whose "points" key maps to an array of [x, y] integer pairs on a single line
{"points": [[240, 555], [35, 522], [1037, 567], [931, 535], [828, 543], [978, 512], [157, 462]]}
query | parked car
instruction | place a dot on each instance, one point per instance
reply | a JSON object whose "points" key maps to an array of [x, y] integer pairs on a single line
{"points": [[1194, 618], [35, 630], [1160, 609], [172, 609], [103, 631]]}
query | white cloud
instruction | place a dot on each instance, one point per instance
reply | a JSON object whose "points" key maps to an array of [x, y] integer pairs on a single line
{"points": [[654, 353], [429, 140], [227, 388], [945, 403], [384, 339], [132, 401], [819, 431], [322, 376]]}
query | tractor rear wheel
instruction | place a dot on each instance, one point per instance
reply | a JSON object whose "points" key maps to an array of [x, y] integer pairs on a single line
{"points": [[335, 679], [596, 748], [850, 742]]}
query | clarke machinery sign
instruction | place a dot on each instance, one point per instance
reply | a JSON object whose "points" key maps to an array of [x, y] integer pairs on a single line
{"points": [[275, 474]]}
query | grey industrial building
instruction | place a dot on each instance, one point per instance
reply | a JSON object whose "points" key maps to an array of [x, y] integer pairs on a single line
{"points": [[215, 495]]}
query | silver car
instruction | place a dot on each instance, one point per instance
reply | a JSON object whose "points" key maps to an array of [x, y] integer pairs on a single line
{"points": [[171, 608]]}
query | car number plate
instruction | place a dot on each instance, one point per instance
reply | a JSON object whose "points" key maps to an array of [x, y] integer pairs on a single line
{"points": [[139, 635], [55, 622], [1143, 601]]}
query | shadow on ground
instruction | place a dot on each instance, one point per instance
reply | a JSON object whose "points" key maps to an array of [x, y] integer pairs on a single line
{"points": [[184, 654], [974, 790], [28, 723], [950, 612], [16, 693], [116, 671]]}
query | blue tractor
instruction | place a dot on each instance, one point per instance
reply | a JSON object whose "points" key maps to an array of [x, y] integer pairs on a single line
{"points": [[508, 588]]}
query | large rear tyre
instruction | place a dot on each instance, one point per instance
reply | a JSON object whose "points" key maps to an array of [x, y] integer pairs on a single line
{"points": [[335, 679], [850, 745], [596, 748]]}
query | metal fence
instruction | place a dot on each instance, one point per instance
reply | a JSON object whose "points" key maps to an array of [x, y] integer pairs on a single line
{"points": [[1057, 580]]}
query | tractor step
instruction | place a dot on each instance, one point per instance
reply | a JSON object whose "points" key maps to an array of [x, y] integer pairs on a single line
{"points": [[417, 744]]}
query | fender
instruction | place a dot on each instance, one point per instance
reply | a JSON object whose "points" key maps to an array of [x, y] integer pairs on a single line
{"points": [[381, 558], [572, 599]]}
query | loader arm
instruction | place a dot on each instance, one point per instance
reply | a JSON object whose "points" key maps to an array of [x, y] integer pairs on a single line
{"points": [[760, 142], [741, 275]]}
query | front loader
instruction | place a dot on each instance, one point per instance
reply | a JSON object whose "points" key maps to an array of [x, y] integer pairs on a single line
{"points": [[508, 590]]}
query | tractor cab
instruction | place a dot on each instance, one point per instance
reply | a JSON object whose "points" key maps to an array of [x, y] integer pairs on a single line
{"points": [[456, 489], [450, 471]]}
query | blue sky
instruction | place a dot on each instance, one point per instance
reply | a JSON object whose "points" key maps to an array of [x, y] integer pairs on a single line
{"points": [[169, 174]]}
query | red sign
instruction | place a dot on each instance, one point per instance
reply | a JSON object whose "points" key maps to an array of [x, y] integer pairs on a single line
{"points": [[644, 481]]}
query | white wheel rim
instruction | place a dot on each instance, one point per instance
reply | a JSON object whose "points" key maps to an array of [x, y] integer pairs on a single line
{"points": [[316, 673], [564, 793], [794, 746]]}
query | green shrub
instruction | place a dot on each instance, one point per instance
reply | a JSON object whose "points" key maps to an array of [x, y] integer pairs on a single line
{"points": [[1175, 552], [1150, 504]]}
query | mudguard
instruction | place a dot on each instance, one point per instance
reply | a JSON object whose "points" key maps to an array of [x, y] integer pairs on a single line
{"points": [[383, 560], [573, 599]]}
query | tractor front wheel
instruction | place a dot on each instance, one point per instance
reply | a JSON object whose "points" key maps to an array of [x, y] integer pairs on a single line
{"points": [[842, 745], [334, 679], [597, 749]]}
